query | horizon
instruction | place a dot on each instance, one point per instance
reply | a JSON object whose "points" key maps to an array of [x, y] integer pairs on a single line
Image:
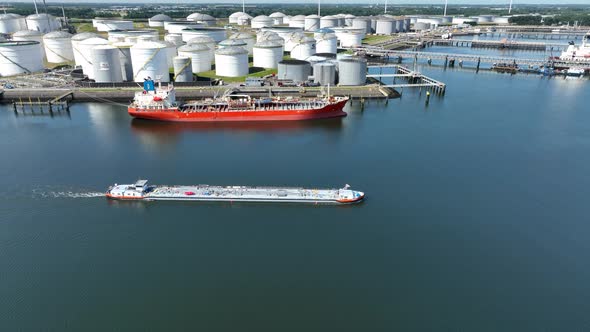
{"points": [[391, 3]]}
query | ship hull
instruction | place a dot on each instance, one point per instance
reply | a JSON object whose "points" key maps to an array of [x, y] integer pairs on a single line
{"points": [[330, 111], [236, 200]]}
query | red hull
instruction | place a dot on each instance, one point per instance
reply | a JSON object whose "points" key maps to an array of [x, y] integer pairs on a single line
{"points": [[329, 111]]}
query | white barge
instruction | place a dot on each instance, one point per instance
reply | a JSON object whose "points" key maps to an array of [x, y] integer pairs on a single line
{"points": [[142, 191]]}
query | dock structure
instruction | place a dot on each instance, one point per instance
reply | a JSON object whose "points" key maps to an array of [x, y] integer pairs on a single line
{"points": [[56, 104], [413, 79], [448, 57], [498, 44]]}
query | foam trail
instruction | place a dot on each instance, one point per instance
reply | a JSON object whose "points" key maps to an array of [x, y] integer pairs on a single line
{"points": [[47, 193]]}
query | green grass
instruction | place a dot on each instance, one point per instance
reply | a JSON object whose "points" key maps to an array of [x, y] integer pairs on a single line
{"points": [[375, 39]]}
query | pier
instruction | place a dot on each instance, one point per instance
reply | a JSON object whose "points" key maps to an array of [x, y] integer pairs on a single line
{"points": [[30, 106], [498, 44], [413, 79]]}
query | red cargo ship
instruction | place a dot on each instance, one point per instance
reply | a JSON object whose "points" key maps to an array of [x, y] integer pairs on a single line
{"points": [[160, 104]]}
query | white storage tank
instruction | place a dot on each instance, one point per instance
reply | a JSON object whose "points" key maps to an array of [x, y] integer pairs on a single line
{"points": [[312, 22], [407, 23], [86, 47], [262, 21], [207, 41], [111, 25], [348, 18], [231, 62], [297, 21], [58, 47], [106, 64], [362, 23], [174, 38], [30, 35], [277, 18], [171, 53], [296, 70], [244, 20], [352, 71], [20, 57], [326, 43], [291, 39], [286, 19], [446, 19], [329, 22], [501, 20], [205, 19], [385, 26], [157, 21], [150, 60], [10, 23], [118, 35], [420, 26], [124, 51], [324, 73], [199, 55], [269, 35], [267, 54], [303, 48], [464, 20], [217, 34], [183, 70], [232, 43], [233, 18], [42, 22], [484, 19], [247, 37], [350, 38], [177, 27], [399, 26]]}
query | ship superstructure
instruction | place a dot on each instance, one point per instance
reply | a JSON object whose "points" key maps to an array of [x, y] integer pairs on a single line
{"points": [[577, 52]]}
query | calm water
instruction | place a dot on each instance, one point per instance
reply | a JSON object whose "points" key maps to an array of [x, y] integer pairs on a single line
{"points": [[476, 217]]}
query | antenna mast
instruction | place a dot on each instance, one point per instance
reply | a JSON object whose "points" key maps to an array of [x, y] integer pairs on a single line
{"points": [[319, 8], [243, 6], [510, 7], [36, 9], [446, 3], [385, 7]]}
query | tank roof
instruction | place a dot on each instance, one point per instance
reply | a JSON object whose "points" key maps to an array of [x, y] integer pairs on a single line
{"points": [[10, 16], [194, 48], [277, 14], [294, 62], [236, 14], [242, 35], [104, 47], [329, 17], [41, 16], [202, 29], [232, 50], [17, 43], [149, 45], [27, 33], [57, 34], [312, 16], [232, 42], [161, 18], [200, 40], [353, 59], [297, 17], [94, 41], [200, 17], [261, 18], [85, 35]]}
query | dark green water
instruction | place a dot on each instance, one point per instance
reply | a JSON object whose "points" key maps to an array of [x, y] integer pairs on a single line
{"points": [[476, 218]]}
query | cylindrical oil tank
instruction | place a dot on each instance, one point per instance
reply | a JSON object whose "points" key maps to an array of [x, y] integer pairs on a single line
{"points": [[312, 22], [277, 18], [314, 59], [348, 18], [262, 21], [124, 51], [247, 37], [303, 48], [112, 25], [464, 20], [10, 23], [30, 35], [284, 32], [341, 20], [205, 19], [157, 21], [207, 41], [178, 26], [174, 38], [296, 70], [446, 19], [286, 19], [485, 19], [297, 21], [183, 69], [217, 34], [20, 57], [150, 60], [233, 18], [324, 73], [329, 22], [362, 23], [501, 20], [407, 23], [326, 43], [106, 64], [116, 35], [399, 26], [267, 54], [145, 38], [58, 47], [79, 53], [199, 55], [171, 52], [352, 71], [419, 26], [269, 35], [385, 26], [351, 39], [42, 22], [245, 20], [231, 62], [86, 60], [291, 39]]}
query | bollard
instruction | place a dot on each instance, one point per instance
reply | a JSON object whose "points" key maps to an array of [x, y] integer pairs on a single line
{"points": [[427, 97]]}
